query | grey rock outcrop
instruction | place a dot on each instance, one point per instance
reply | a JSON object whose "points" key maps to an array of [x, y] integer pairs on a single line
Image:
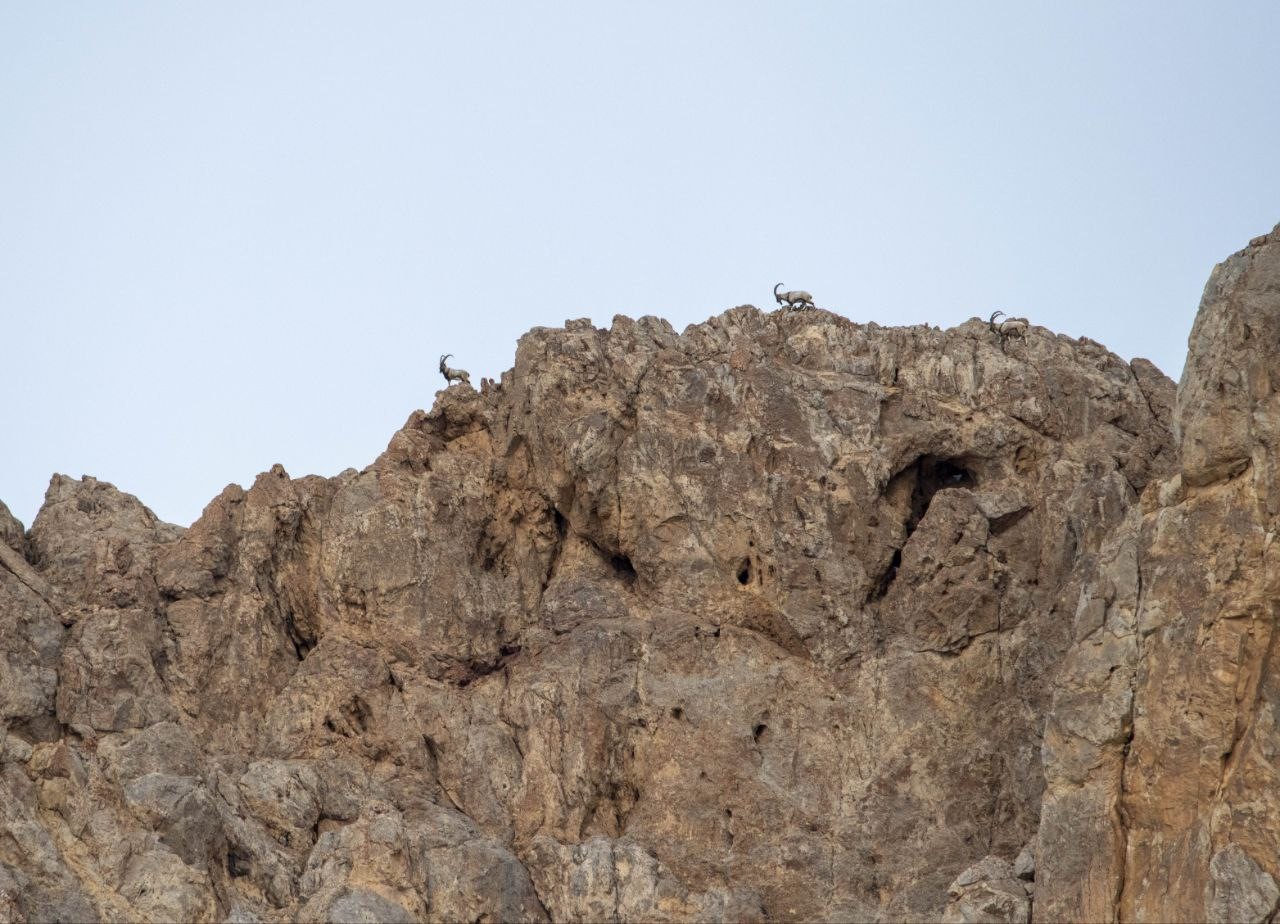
{"points": [[989, 892]]}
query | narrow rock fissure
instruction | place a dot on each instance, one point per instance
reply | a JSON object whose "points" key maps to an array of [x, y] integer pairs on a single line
{"points": [[886, 580], [562, 531], [1120, 818], [1003, 524], [302, 643]]}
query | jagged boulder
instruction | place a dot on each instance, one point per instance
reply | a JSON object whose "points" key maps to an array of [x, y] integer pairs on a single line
{"points": [[989, 892]]}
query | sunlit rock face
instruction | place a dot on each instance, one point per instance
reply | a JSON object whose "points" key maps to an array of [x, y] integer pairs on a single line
{"points": [[780, 618]]}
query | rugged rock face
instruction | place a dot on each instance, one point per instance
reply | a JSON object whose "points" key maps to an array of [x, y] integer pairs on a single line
{"points": [[784, 617]]}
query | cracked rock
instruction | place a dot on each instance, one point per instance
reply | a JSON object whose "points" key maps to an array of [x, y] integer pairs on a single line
{"points": [[782, 617]]}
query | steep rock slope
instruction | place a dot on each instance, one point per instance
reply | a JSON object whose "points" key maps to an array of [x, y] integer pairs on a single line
{"points": [[1201, 785], [784, 617], [1161, 743]]}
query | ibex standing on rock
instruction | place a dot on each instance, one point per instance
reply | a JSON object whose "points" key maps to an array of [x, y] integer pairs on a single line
{"points": [[453, 375], [1009, 327], [795, 299]]}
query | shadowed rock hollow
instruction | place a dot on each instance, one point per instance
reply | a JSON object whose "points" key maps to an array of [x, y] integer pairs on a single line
{"points": [[781, 618]]}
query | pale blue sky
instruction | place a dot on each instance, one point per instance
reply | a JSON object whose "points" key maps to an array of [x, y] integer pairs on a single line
{"points": [[233, 234]]}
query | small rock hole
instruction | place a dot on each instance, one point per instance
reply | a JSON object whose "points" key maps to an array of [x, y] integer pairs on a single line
{"points": [[357, 713], [237, 864], [623, 568], [758, 732], [677, 712], [744, 572]]}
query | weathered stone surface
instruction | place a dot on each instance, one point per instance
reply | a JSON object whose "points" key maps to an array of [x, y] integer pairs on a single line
{"points": [[989, 892], [31, 636], [285, 797], [165, 747], [1024, 865], [779, 618], [618, 880], [11, 532], [159, 887], [98, 545], [362, 907], [182, 812], [1201, 772], [1239, 890]]}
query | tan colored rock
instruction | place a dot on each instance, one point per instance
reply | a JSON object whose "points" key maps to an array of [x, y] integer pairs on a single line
{"points": [[11, 532], [782, 617], [989, 892], [606, 880], [1201, 773], [31, 637]]}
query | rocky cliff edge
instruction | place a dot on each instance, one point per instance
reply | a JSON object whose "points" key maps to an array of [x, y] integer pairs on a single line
{"points": [[781, 618]]}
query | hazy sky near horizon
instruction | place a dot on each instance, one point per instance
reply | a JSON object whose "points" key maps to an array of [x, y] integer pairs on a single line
{"points": [[236, 234]]}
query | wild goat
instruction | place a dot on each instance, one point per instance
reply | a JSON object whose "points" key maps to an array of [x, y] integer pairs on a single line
{"points": [[795, 299], [453, 375], [1009, 327]]}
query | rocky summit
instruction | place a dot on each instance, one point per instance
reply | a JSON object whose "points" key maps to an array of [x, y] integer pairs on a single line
{"points": [[781, 618]]}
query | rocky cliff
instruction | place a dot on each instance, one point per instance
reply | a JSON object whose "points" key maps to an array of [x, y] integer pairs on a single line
{"points": [[781, 618]]}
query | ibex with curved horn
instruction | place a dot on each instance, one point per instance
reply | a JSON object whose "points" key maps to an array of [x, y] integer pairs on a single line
{"points": [[797, 298], [1009, 327], [453, 375]]}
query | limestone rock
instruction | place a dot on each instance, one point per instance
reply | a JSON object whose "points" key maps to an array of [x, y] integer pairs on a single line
{"points": [[1239, 890], [11, 532], [989, 892], [285, 797], [360, 906], [31, 638], [782, 617], [618, 880], [165, 747], [182, 812], [1200, 774], [1024, 866]]}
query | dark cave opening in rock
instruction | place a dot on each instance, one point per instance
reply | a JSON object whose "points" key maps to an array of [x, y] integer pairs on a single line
{"points": [[929, 475], [300, 640], [912, 490], [623, 568]]}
